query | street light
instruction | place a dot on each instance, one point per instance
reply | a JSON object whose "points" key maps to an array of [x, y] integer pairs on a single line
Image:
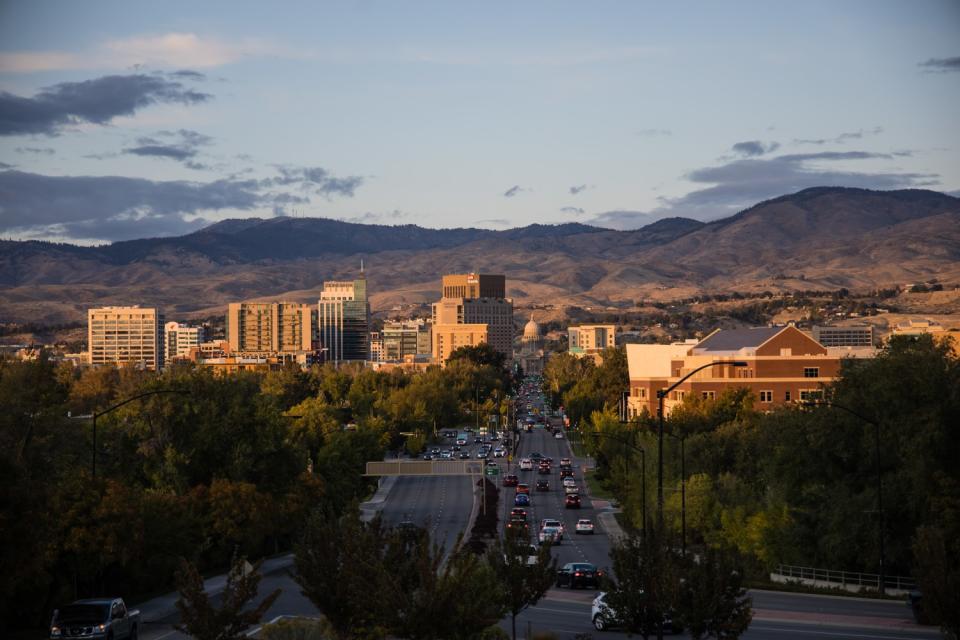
{"points": [[880, 525], [683, 492], [97, 414], [661, 394]]}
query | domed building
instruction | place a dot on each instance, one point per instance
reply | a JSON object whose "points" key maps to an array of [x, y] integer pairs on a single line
{"points": [[530, 357]]}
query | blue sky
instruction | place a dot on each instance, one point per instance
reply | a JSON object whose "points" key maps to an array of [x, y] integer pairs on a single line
{"points": [[122, 120]]}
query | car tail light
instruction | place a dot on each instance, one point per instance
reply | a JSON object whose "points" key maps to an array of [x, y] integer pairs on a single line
{"points": [[577, 573]]}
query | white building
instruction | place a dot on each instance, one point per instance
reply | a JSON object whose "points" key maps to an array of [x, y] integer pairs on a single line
{"points": [[180, 338]]}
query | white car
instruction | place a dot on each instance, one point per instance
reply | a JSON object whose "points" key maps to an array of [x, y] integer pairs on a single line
{"points": [[569, 489], [603, 617], [584, 525], [550, 534], [526, 464], [552, 522], [569, 482], [558, 435], [498, 452]]}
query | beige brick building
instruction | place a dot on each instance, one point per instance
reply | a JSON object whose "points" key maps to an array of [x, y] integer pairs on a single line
{"points": [[126, 336], [449, 337], [270, 327], [493, 311]]}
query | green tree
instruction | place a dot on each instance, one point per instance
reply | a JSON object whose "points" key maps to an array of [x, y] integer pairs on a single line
{"points": [[200, 619], [713, 602], [481, 354], [523, 584]]}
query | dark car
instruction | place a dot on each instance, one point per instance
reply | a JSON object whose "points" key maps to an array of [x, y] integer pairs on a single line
{"points": [[572, 501], [536, 456], [543, 485], [518, 524], [510, 480], [521, 500], [579, 574], [464, 455], [518, 512], [427, 456], [544, 469], [566, 473]]}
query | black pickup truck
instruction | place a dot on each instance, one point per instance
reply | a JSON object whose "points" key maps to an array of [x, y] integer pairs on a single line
{"points": [[96, 619]]}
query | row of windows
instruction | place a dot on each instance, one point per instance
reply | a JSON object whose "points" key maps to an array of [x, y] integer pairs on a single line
{"points": [[765, 395]]}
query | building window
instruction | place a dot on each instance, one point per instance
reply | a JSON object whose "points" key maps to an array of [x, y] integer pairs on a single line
{"points": [[767, 396], [708, 395], [643, 392], [786, 396], [680, 395], [811, 394], [811, 372]]}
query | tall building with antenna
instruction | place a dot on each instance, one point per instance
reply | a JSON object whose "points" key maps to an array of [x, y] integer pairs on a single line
{"points": [[343, 320]]}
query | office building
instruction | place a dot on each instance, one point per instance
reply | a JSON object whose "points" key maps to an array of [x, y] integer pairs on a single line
{"points": [[853, 336], [939, 333], [406, 338], [376, 347], [270, 327], [449, 337], [589, 339], [343, 321], [474, 285], [495, 313], [126, 336], [179, 339], [783, 365]]}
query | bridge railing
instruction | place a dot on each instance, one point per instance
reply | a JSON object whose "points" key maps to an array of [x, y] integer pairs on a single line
{"points": [[845, 579]]}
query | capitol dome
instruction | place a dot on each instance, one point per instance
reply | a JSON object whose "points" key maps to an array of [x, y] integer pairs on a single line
{"points": [[531, 331]]}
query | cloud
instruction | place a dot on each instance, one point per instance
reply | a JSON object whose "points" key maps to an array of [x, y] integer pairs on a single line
{"points": [[316, 179], [4, 165], [752, 148], [118, 208], [577, 189], [512, 191], [96, 101], [182, 149], [653, 133], [840, 139], [941, 65], [47, 151], [377, 218], [575, 210], [165, 50], [621, 219], [188, 74]]}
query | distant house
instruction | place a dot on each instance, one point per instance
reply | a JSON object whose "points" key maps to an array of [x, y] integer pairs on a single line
{"points": [[783, 365]]}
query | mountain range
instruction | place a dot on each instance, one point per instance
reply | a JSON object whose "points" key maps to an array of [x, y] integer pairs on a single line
{"points": [[820, 238]]}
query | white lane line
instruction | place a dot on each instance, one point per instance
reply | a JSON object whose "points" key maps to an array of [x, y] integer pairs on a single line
{"points": [[836, 633]]}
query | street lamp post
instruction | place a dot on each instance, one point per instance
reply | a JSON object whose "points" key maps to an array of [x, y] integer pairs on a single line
{"points": [[683, 492], [97, 414], [661, 394]]}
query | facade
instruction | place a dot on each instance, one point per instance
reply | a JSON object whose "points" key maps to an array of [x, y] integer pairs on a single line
{"points": [[474, 285], [935, 329], [376, 347], [343, 321], [406, 338], [531, 357], [179, 339], [270, 327], [228, 365], [449, 337], [495, 313], [126, 336], [591, 339], [783, 365], [853, 336]]}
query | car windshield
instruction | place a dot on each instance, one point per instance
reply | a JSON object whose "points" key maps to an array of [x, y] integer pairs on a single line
{"points": [[583, 567], [83, 613], [585, 522]]}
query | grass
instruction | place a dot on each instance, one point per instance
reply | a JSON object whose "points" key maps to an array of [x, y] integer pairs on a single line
{"points": [[597, 490], [576, 445]]}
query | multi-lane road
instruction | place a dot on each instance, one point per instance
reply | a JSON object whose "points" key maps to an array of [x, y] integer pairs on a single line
{"points": [[444, 504]]}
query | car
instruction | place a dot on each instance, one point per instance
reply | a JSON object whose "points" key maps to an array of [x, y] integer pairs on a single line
{"points": [[566, 473], [552, 522], [565, 462], [523, 488], [558, 435], [584, 525], [568, 481], [518, 525], [477, 440], [464, 455], [481, 453], [579, 574], [572, 501], [445, 455], [550, 534], [536, 456], [449, 434], [543, 485], [510, 480], [521, 500], [435, 451], [518, 511], [499, 452], [603, 617], [461, 441], [428, 456], [544, 469], [526, 464], [574, 490], [96, 619]]}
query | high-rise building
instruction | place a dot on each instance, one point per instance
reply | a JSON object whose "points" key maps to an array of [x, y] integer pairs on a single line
{"points": [[125, 336], [270, 327], [474, 285], [449, 337], [591, 339], [406, 338], [376, 347], [475, 299], [179, 339], [343, 320]]}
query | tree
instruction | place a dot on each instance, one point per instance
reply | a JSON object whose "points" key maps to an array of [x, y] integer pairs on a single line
{"points": [[522, 584], [481, 354], [713, 602], [202, 621], [647, 579]]}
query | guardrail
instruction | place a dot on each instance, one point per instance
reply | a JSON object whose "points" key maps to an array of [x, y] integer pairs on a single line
{"points": [[850, 580]]}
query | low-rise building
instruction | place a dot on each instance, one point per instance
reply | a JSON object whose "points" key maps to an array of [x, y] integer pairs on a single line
{"points": [[591, 339], [927, 326], [849, 336], [783, 365]]}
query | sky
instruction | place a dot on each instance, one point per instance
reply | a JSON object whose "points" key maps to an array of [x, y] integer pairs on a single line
{"points": [[123, 120]]}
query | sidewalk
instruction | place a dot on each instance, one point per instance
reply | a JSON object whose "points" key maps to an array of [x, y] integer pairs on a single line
{"points": [[374, 505], [605, 509]]}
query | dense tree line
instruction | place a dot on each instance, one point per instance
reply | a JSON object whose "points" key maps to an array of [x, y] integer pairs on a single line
{"points": [[223, 465], [799, 485]]}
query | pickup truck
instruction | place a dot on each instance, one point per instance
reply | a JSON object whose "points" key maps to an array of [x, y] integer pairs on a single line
{"points": [[96, 618]]}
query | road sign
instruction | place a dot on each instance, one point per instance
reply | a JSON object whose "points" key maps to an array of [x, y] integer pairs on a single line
{"points": [[493, 471]]}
